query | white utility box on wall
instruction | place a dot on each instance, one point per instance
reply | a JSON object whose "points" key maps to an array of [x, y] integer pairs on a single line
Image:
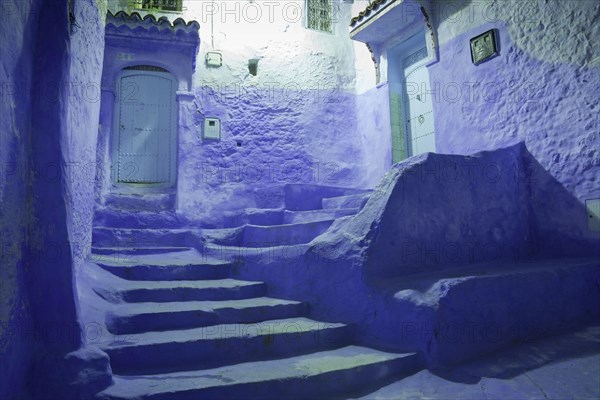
{"points": [[212, 128]]}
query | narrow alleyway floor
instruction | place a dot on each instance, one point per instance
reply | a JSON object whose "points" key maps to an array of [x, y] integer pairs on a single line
{"points": [[557, 368]]}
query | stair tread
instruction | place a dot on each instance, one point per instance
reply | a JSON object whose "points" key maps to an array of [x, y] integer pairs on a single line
{"points": [[324, 210], [211, 305], [269, 227], [299, 367], [158, 260], [344, 202], [215, 247], [228, 283], [221, 332], [288, 225], [126, 248]]}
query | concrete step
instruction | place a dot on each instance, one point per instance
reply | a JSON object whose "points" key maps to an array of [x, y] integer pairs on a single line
{"points": [[175, 270], [137, 250], [328, 374], [515, 301], [109, 217], [299, 197], [294, 217], [134, 237], [289, 234], [254, 216], [169, 291], [272, 217], [255, 255], [146, 317], [141, 202], [218, 345], [342, 202], [265, 236]]}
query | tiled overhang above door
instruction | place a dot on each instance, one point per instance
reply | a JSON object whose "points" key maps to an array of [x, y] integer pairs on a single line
{"points": [[135, 40], [388, 23], [384, 19]]}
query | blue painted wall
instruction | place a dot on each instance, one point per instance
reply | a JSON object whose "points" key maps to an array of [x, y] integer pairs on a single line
{"points": [[552, 105], [17, 42], [308, 138], [49, 124]]}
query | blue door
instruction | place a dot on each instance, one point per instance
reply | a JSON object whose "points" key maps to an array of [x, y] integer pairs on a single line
{"points": [[144, 141], [418, 104]]}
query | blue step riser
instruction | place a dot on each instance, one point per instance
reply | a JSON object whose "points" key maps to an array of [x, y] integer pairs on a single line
{"points": [[299, 196], [146, 202], [169, 357], [266, 219], [283, 235], [191, 294], [286, 235], [124, 251], [344, 202], [195, 318], [299, 217], [262, 218], [134, 220], [160, 321], [170, 273], [332, 385], [269, 236], [141, 238], [254, 255]]}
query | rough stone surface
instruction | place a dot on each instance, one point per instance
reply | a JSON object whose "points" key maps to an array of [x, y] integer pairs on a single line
{"points": [[50, 74], [17, 41], [550, 105], [561, 367], [498, 223], [456, 239]]}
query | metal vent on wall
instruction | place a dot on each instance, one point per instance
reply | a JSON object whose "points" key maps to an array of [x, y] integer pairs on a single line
{"points": [[146, 68]]}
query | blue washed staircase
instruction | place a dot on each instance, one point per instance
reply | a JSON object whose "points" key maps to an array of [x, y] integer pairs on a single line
{"points": [[184, 329]]}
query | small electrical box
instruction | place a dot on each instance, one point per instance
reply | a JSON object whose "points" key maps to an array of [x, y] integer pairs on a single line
{"points": [[593, 213], [212, 129], [214, 59]]}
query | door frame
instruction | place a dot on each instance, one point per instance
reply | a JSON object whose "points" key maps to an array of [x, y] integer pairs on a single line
{"points": [[397, 85], [114, 137], [421, 64]]}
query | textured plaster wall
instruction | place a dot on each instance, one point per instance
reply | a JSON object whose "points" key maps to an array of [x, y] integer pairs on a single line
{"points": [[542, 88], [84, 371], [79, 142], [17, 42], [49, 120], [292, 123], [373, 128]]}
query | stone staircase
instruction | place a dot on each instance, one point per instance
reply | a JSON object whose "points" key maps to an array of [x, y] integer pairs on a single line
{"points": [[183, 328]]}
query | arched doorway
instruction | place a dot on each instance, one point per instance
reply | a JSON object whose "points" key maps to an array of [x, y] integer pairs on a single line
{"points": [[144, 134]]}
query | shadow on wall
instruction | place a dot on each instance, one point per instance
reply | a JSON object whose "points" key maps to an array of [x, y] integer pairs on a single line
{"points": [[438, 211]]}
